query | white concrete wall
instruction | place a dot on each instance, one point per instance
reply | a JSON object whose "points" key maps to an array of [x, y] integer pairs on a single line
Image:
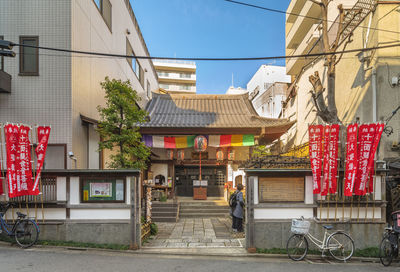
{"points": [[159, 169], [267, 74], [90, 33], [49, 213], [282, 213], [104, 213], [74, 192], [61, 186]]}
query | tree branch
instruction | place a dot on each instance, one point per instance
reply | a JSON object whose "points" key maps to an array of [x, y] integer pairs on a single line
{"points": [[344, 47]]}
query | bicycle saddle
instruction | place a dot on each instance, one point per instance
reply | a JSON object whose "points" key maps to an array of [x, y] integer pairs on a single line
{"points": [[328, 227], [21, 215]]}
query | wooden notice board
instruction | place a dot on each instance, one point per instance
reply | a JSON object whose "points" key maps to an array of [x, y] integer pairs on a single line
{"points": [[281, 189]]}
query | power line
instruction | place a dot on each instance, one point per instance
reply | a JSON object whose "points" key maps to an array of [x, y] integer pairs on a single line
{"points": [[299, 15], [210, 59]]}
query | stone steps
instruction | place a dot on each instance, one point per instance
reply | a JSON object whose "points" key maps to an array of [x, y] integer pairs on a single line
{"points": [[164, 212], [203, 209]]}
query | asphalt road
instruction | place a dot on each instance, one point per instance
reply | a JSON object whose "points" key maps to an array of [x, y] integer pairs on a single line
{"points": [[59, 259]]}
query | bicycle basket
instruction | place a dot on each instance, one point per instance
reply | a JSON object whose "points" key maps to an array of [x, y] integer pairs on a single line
{"points": [[300, 226]]}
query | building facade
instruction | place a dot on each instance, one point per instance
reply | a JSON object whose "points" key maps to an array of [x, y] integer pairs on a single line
{"points": [[231, 127], [62, 89], [176, 76], [367, 88], [266, 98]]}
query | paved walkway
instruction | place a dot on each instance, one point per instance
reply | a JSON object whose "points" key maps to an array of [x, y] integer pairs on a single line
{"points": [[196, 233]]}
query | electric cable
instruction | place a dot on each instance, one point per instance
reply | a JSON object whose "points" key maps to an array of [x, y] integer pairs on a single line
{"points": [[299, 15], [208, 58]]}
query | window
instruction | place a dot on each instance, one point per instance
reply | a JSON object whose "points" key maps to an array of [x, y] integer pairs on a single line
{"points": [[163, 74], [281, 189], [129, 52], [1, 58], [184, 75], [164, 86], [29, 57], [141, 74], [148, 89], [105, 9]]}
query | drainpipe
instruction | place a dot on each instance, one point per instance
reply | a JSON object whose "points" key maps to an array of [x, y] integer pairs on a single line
{"points": [[373, 82]]}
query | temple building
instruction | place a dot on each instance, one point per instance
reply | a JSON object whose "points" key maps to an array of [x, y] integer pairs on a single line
{"points": [[229, 124]]}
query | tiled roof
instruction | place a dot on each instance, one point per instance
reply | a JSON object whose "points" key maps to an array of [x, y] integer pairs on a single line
{"points": [[206, 111]]}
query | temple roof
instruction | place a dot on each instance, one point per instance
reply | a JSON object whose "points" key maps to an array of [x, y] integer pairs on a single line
{"points": [[206, 111]]}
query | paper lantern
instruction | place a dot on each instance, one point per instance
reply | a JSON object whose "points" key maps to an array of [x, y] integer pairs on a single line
{"points": [[220, 154], [170, 154], [231, 154], [180, 154], [200, 143]]}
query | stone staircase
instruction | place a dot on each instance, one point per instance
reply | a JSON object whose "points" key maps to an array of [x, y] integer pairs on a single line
{"points": [[164, 211], [203, 208]]}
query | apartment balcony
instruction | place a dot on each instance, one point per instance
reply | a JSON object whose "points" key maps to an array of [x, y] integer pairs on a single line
{"points": [[294, 66], [300, 27], [178, 88], [5, 82], [183, 78]]}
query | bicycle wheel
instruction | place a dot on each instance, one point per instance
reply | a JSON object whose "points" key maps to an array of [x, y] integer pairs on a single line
{"points": [[341, 246], [386, 250], [297, 247], [26, 233]]}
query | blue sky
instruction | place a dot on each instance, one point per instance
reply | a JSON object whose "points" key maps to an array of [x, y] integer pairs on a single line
{"points": [[214, 28]]}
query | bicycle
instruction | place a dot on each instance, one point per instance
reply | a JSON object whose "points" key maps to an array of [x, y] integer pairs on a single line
{"points": [[339, 244], [389, 247], [25, 230]]}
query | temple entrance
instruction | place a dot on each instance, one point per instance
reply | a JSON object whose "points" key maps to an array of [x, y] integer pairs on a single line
{"points": [[184, 176]]}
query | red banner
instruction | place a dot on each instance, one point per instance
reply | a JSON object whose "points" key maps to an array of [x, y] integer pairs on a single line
{"points": [[333, 158], [325, 178], [351, 159], [377, 138], [11, 133], [24, 163], [43, 134], [366, 139], [315, 133]]}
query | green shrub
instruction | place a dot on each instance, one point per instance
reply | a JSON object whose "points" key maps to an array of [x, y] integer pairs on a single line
{"points": [[163, 198], [153, 228]]}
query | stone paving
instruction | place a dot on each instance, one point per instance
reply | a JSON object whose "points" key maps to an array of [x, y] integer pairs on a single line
{"points": [[196, 233]]}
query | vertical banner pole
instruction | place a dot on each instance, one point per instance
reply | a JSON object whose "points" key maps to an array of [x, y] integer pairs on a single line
{"points": [[358, 210], [374, 196], [327, 211], [33, 166]]}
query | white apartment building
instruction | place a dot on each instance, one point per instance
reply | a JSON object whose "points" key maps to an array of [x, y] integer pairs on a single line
{"points": [[266, 97], [63, 89], [176, 76], [235, 90]]}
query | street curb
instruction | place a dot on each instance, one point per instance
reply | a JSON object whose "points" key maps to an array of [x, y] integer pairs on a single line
{"points": [[180, 252]]}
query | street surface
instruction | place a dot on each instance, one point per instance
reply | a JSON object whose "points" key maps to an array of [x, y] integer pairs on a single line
{"points": [[60, 259]]}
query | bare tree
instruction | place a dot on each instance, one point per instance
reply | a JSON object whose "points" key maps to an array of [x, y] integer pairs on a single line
{"points": [[327, 109]]}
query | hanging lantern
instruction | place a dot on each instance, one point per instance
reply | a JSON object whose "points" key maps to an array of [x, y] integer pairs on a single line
{"points": [[220, 154], [200, 143], [170, 154], [231, 154], [180, 154]]}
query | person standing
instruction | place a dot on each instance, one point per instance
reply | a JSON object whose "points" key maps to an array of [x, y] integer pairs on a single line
{"points": [[237, 214]]}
